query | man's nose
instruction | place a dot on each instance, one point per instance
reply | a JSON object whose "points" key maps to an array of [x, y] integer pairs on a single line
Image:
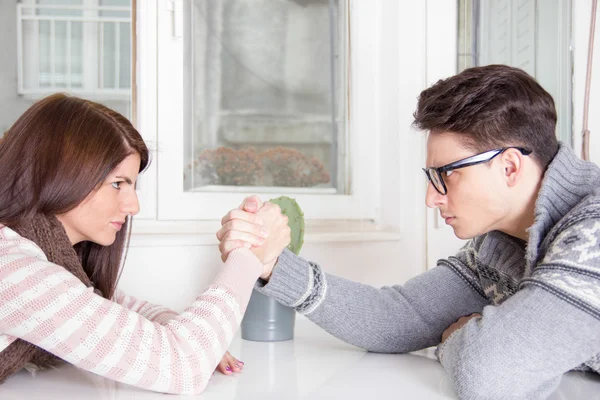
{"points": [[433, 198]]}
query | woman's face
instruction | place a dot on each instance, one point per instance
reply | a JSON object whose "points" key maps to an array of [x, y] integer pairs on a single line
{"points": [[103, 212]]}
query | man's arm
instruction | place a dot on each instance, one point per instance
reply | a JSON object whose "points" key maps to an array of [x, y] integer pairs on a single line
{"points": [[396, 319], [520, 349]]}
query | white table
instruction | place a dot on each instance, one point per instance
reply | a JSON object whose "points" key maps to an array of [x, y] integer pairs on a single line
{"points": [[314, 365]]}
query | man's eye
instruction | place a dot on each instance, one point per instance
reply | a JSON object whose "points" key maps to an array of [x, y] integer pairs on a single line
{"points": [[116, 185], [448, 173]]}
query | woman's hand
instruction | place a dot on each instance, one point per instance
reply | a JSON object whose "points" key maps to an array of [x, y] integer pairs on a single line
{"points": [[457, 325], [242, 227], [229, 364], [260, 227]]}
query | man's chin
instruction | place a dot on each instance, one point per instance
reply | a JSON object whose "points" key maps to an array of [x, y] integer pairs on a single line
{"points": [[463, 235]]}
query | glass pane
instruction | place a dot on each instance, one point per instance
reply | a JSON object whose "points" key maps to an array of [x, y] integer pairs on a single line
{"points": [[116, 45], [531, 35], [57, 46], [265, 99], [467, 34]]}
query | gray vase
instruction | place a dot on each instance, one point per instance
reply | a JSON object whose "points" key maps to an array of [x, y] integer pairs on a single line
{"points": [[267, 320]]}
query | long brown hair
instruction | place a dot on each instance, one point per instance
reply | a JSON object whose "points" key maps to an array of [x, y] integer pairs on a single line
{"points": [[492, 106], [59, 151]]}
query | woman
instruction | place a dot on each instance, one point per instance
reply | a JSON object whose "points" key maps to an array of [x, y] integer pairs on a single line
{"points": [[69, 168]]}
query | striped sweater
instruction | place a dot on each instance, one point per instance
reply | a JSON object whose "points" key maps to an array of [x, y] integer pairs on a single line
{"points": [[127, 340]]}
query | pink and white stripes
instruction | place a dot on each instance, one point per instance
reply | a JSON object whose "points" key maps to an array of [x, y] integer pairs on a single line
{"points": [[127, 340]]}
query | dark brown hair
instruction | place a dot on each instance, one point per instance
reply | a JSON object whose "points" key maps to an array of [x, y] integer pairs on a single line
{"points": [[59, 151], [491, 107]]}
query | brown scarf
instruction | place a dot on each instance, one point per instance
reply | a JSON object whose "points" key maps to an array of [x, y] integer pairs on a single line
{"points": [[49, 234]]}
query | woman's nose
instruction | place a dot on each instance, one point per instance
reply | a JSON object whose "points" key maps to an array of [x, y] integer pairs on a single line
{"points": [[131, 205]]}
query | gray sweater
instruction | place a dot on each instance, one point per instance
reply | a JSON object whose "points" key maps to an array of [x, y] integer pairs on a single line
{"points": [[540, 301]]}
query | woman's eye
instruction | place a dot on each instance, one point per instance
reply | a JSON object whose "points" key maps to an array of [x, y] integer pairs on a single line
{"points": [[116, 185], [448, 173]]}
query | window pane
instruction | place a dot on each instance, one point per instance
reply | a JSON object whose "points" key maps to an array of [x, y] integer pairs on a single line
{"points": [[265, 103], [527, 34], [58, 46], [467, 33]]}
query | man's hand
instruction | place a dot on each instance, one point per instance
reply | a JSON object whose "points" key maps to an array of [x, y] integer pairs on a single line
{"points": [[280, 236], [457, 325]]}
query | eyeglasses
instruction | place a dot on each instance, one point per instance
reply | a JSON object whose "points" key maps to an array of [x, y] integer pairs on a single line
{"points": [[434, 175]]}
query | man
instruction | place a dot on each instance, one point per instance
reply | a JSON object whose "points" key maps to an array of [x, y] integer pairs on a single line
{"points": [[519, 305]]}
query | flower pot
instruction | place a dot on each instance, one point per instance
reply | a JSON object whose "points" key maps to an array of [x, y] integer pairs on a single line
{"points": [[267, 320]]}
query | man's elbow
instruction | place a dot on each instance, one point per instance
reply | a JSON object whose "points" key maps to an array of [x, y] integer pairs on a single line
{"points": [[485, 378], [471, 386]]}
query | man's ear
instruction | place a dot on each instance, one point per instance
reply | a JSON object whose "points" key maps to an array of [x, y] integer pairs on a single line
{"points": [[513, 163]]}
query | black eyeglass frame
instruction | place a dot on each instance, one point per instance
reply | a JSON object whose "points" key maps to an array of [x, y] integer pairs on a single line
{"points": [[480, 158]]}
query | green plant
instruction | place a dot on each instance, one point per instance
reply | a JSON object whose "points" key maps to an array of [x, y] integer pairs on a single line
{"points": [[291, 209]]}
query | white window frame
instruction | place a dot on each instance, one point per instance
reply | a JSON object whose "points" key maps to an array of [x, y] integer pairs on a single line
{"points": [[175, 204]]}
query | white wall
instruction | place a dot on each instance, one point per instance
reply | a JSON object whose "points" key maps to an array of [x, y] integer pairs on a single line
{"points": [[162, 270], [174, 276]]}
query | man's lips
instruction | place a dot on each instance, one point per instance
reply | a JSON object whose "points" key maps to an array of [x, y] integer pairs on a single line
{"points": [[447, 218]]}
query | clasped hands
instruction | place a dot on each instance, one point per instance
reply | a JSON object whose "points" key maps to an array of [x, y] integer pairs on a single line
{"points": [[262, 228], [258, 226]]}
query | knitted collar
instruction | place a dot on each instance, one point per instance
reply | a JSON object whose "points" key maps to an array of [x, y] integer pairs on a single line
{"points": [[50, 236], [566, 182]]}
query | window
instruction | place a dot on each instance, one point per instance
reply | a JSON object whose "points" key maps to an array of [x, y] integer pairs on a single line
{"points": [[266, 102], [252, 96], [79, 46], [55, 46]]}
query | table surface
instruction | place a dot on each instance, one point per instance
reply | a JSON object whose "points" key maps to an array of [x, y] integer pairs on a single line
{"points": [[314, 365]]}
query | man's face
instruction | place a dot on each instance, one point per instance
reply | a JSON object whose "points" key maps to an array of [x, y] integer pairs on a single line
{"points": [[477, 200]]}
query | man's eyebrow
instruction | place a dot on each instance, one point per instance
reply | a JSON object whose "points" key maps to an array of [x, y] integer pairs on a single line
{"points": [[125, 178]]}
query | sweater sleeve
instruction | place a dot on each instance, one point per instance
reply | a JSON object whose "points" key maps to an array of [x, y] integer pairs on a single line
{"points": [[42, 303], [520, 349], [153, 312], [395, 319]]}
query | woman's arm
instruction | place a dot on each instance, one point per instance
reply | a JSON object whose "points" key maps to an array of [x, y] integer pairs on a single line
{"points": [[153, 312], [42, 303]]}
